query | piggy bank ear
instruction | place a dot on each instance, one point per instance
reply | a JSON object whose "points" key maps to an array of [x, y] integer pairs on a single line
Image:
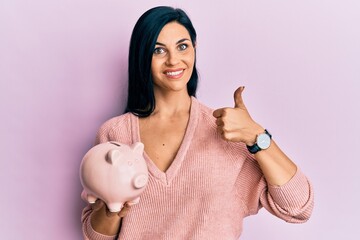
{"points": [[113, 156], [138, 148]]}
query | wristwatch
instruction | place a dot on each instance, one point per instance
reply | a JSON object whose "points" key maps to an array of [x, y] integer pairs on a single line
{"points": [[263, 141]]}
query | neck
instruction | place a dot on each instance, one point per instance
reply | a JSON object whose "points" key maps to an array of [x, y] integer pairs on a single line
{"points": [[172, 104]]}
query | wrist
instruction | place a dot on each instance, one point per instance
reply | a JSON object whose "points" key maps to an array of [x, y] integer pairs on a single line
{"points": [[109, 226], [254, 134], [262, 142]]}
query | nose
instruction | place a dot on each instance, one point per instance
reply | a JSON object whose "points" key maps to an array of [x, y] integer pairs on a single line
{"points": [[173, 58]]}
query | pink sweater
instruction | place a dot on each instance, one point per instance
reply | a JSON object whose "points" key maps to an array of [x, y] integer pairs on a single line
{"points": [[206, 192]]}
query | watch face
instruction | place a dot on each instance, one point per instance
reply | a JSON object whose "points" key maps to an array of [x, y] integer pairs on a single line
{"points": [[263, 141]]}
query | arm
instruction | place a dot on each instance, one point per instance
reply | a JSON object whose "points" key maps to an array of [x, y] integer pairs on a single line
{"points": [[288, 189], [99, 223], [236, 125], [278, 169]]}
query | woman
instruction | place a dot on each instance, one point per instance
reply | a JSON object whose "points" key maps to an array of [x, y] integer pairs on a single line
{"points": [[207, 169]]}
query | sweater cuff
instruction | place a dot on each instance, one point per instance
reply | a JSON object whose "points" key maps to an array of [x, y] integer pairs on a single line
{"points": [[93, 235], [294, 194]]}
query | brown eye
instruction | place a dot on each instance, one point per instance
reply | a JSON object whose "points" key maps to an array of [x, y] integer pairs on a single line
{"points": [[159, 50], [182, 47]]}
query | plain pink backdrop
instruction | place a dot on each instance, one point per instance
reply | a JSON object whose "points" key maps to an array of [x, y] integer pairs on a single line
{"points": [[63, 68]]}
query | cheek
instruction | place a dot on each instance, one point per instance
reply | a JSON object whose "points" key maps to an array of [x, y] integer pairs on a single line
{"points": [[154, 67], [191, 57], [190, 60]]}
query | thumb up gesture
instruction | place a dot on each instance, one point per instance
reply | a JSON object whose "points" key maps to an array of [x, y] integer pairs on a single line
{"points": [[235, 124]]}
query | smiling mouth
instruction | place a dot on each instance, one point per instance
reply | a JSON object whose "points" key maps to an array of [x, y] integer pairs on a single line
{"points": [[174, 73]]}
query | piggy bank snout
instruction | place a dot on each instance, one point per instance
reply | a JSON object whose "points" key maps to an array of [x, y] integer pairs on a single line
{"points": [[140, 181]]}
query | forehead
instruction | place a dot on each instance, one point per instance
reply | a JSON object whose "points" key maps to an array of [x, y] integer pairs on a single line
{"points": [[172, 32]]}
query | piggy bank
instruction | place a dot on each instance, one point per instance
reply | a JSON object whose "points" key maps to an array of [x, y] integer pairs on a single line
{"points": [[115, 173]]}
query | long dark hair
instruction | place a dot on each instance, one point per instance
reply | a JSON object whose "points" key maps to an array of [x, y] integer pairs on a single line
{"points": [[141, 100]]}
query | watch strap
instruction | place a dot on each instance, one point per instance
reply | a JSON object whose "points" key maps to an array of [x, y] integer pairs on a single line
{"points": [[253, 149]]}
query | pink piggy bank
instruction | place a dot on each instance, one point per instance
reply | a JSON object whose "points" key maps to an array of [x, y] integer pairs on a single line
{"points": [[114, 172]]}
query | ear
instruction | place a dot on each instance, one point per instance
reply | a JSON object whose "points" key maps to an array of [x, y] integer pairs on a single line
{"points": [[113, 156], [138, 148]]}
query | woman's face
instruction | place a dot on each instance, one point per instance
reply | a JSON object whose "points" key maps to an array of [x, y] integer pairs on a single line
{"points": [[173, 59]]}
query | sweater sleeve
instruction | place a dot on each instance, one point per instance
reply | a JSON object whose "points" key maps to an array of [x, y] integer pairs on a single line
{"points": [[292, 202], [88, 232]]}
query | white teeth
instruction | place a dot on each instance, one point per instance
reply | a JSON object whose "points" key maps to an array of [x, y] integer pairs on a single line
{"points": [[174, 73]]}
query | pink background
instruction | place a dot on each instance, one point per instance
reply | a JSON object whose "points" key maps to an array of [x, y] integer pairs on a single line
{"points": [[63, 71]]}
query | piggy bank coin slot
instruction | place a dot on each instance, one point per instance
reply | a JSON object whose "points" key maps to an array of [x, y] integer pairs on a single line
{"points": [[116, 144]]}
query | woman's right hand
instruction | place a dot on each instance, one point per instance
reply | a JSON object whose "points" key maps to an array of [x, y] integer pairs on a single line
{"points": [[105, 222]]}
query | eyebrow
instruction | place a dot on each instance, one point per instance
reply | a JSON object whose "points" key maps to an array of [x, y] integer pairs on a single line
{"points": [[180, 41]]}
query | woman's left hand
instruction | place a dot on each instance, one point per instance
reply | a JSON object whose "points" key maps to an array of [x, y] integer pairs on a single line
{"points": [[235, 124]]}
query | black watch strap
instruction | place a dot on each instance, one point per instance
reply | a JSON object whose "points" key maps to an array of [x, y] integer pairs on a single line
{"points": [[255, 148]]}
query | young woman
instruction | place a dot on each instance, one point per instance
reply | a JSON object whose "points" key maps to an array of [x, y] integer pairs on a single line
{"points": [[207, 169]]}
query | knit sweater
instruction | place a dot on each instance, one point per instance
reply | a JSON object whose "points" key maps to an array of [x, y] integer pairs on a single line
{"points": [[207, 191]]}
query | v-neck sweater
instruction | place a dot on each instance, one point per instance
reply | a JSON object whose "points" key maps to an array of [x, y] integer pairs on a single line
{"points": [[207, 191]]}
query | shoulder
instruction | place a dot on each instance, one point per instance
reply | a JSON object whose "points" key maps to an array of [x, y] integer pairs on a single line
{"points": [[205, 112], [116, 122], [110, 128]]}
